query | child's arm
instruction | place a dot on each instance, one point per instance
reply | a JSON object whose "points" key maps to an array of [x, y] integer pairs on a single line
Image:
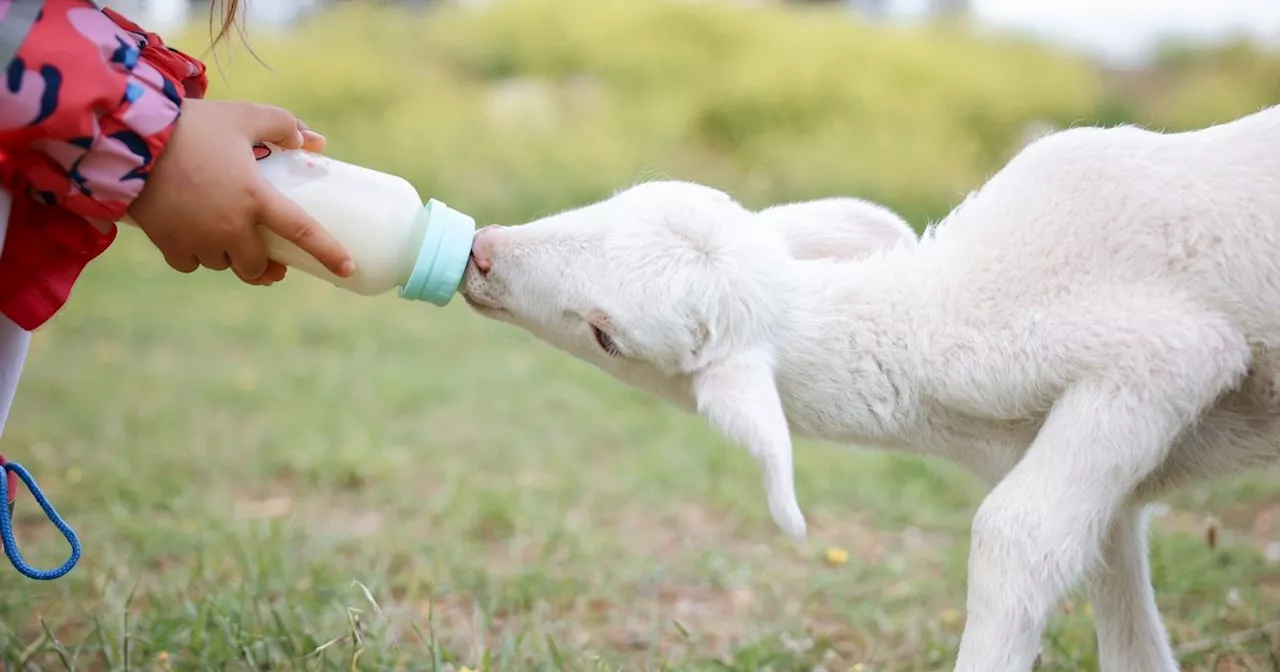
{"points": [[86, 110], [91, 106], [83, 117]]}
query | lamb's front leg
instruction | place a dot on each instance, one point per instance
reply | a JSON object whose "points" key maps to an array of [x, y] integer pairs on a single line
{"points": [[1131, 637], [1042, 528]]}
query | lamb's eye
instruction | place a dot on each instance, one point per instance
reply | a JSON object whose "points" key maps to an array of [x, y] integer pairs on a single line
{"points": [[605, 341]]}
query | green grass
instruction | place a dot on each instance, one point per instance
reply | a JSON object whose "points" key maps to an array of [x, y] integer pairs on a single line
{"points": [[242, 463]]}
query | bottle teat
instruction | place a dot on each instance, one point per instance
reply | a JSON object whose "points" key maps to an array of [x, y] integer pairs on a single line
{"points": [[442, 258]]}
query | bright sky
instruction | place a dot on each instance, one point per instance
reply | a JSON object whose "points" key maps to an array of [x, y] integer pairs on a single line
{"points": [[1124, 29]]}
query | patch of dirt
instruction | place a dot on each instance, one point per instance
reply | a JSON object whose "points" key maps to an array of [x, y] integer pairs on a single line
{"points": [[1260, 521], [1257, 525], [680, 614], [330, 516], [680, 610]]}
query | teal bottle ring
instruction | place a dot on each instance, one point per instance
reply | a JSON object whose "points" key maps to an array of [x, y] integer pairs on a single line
{"points": [[443, 255]]}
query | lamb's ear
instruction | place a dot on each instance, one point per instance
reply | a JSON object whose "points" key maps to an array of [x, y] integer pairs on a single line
{"points": [[838, 228], [739, 397]]}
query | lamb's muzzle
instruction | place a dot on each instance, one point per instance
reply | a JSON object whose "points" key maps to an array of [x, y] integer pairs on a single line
{"points": [[482, 249]]}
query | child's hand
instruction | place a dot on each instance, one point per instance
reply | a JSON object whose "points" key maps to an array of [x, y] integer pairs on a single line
{"points": [[205, 198]]}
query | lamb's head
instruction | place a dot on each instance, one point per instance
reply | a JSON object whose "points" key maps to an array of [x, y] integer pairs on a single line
{"points": [[652, 285], [669, 286]]}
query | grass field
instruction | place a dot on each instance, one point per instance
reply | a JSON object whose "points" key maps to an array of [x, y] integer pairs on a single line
{"points": [[299, 478], [242, 464]]}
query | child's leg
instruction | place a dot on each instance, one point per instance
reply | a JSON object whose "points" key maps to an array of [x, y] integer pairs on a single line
{"points": [[13, 350], [13, 339]]}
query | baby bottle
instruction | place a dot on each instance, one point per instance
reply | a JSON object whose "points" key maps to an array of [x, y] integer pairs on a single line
{"points": [[394, 240]]}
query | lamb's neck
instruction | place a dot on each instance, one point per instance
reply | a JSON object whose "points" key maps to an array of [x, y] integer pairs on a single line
{"points": [[846, 368]]}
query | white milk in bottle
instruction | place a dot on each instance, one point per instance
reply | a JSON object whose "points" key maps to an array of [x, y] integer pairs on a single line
{"points": [[394, 240]]}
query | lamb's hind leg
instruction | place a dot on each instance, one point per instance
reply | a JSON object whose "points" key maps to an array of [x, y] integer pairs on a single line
{"points": [[1131, 637], [1041, 530], [1242, 432]]}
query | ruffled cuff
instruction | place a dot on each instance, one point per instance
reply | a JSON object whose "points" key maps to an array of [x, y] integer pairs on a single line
{"points": [[90, 103]]}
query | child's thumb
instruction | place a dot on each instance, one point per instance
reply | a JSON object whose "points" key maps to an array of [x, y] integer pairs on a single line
{"points": [[275, 125]]}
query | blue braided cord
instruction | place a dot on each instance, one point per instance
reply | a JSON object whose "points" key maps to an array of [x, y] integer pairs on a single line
{"points": [[11, 544]]}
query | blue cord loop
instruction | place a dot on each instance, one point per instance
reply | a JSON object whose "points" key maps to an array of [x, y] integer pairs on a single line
{"points": [[6, 528]]}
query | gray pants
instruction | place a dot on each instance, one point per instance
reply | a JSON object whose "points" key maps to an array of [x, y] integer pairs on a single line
{"points": [[13, 339]]}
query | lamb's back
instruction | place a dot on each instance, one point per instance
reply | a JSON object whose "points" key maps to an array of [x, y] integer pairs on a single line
{"points": [[1195, 212]]}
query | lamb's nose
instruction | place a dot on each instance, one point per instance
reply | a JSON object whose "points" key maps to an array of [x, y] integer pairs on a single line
{"points": [[482, 249]]}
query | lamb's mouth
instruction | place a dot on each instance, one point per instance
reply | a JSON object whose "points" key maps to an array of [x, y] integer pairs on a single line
{"points": [[471, 280], [481, 307]]}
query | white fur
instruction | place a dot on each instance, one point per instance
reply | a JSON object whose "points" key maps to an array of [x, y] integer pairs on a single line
{"points": [[1097, 324]]}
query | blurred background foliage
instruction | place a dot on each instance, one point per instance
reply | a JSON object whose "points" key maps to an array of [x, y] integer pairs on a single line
{"points": [[524, 107]]}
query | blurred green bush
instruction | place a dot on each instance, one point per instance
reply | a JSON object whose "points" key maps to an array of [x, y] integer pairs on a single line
{"points": [[525, 107], [1193, 85]]}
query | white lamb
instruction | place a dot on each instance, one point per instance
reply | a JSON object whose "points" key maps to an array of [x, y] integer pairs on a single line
{"points": [[1097, 324]]}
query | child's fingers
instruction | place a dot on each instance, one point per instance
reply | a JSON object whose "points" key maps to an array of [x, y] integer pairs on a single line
{"points": [[268, 123], [292, 223], [267, 279], [249, 257], [276, 270], [274, 273], [311, 141], [215, 261], [182, 263]]}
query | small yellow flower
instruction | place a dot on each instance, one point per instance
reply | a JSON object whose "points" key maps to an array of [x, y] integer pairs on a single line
{"points": [[859, 667], [950, 616], [836, 556]]}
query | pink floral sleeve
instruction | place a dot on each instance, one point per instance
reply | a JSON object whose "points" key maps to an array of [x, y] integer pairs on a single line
{"points": [[85, 111], [88, 103]]}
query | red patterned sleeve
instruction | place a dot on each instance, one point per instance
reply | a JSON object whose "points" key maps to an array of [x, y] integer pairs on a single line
{"points": [[88, 104]]}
